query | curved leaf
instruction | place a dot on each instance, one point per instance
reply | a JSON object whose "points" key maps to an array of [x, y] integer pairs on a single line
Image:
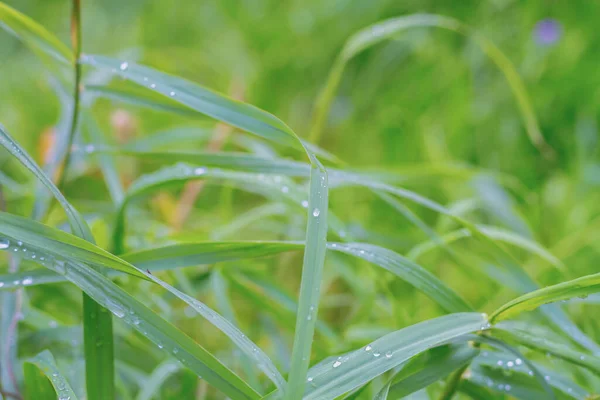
{"points": [[44, 362], [35, 35]]}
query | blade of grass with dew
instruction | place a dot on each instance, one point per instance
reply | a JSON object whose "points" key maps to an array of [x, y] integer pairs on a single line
{"points": [[234, 161], [220, 289], [412, 273], [34, 35], [310, 284], [141, 318], [97, 321], [329, 379], [494, 233], [250, 349], [429, 367], [189, 254], [548, 346], [55, 243], [520, 360], [78, 224], [579, 287], [138, 97], [44, 363], [201, 99], [391, 28]]}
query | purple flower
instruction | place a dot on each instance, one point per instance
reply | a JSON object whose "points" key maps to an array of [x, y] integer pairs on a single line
{"points": [[547, 32]]}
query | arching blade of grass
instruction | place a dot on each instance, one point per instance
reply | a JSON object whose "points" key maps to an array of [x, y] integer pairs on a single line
{"points": [[429, 367], [334, 377], [393, 27], [139, 97], [44, 381], [55, 243], [547, 345], [579, 287], [234, 161], [78, 224], [494, 369], [495, 233], [134, 313], [414, 274], [201, 99], [310, 285], [34, 35], [98, 336], [189, 254], [250, 349]]}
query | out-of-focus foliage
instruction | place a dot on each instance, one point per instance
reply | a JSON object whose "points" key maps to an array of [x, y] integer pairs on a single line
{"points": [[427, 112]]}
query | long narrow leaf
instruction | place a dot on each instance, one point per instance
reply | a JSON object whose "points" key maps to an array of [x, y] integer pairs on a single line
{"points": [[45, 363]]}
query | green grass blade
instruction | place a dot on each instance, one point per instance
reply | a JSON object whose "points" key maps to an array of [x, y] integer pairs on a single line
{"points": [[201, 99], [34, 35], [335, 377], [249, 348], [159, 331], [78, 224], [44, 363], [37, 386], [428, 368], [412, 273], [233, 161], [547, 345], [393, 27], [579, 287], [310, 286], [56, 243], [139, 97]]}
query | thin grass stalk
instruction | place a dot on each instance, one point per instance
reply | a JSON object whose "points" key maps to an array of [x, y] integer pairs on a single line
{"points": [[97, 321]]}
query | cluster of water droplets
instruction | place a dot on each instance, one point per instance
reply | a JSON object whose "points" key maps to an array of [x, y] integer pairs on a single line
{"points": [[376, 353], [59, 383], [18, 248]]}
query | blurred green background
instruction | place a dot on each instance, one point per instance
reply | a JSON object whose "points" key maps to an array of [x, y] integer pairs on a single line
{"points": [[429, 98]]}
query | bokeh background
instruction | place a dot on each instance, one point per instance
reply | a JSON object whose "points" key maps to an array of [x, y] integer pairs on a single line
{"points": [[429, 100]]}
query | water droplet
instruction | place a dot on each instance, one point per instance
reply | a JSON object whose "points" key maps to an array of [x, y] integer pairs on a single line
{"points": [[518, 361], [309, 379], [153, 86], [500, 387], [89, 148], [582, 357], [388, 354], [52, 324], [124, 66], [376, 354], [305, 203], [200, 171], [510, 364], [368, 347], [547, 378], [507, 387], [316, 212], [27, 280], [500, 363], [285, 189], [19, 243], [118, 312], [530, 373], [4, 243], [145, 79], [16, 249], [33, 256], [172, 94], [175, 350], [336, 364], [1, 284]]}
